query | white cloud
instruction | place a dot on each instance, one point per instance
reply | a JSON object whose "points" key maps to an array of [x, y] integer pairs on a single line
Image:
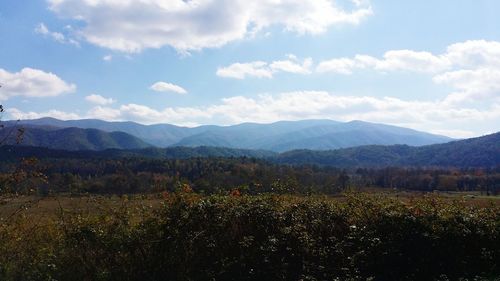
{"points": [[98, 99], [340, 66], [474, 53], [292, 66], [104, 113], [480, 83], [41, 28], [31, 82], [465, 55], [397, 60], [261, 69], [408, 60], [257, 69], [472, 68], [135, 25], [107, 58], [167, 87]]}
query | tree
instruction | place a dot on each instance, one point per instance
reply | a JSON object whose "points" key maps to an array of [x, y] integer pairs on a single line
{"points": [[343, 180], [25, 172], [4, 136]]}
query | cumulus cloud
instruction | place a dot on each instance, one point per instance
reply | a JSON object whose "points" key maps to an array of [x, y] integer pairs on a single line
{"points": [[135, 25], [31, 82], [261, 69], [98, 99], [470, 67], [435, 116], [168, 87], [483, 83], [474, 53], [41, 28]]}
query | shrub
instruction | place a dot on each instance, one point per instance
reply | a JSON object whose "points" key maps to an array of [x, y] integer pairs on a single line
{"points": [[266, 237]]}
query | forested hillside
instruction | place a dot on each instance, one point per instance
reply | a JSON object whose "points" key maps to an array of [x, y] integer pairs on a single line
{"points": [[70, 138], [15, 152], [476, 152]]}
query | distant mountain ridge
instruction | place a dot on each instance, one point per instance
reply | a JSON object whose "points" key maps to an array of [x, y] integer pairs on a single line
{"points": [[279, 136], [158, 135], [71, 138]]}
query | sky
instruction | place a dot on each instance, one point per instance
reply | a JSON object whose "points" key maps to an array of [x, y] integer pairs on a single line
{"points": [[428, 65]]}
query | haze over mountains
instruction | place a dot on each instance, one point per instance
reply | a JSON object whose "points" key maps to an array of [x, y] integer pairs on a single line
{"points": [[278, 137]]}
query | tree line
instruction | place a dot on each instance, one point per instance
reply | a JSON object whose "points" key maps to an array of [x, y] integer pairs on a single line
{"points": [[219, 175]]}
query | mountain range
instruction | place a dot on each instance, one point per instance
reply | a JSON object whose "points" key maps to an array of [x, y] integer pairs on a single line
{"points": [[481, 152], [278, 137]]}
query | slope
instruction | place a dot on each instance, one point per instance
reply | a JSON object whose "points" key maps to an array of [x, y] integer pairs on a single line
{"points": [[476, 152], [73, 138]]}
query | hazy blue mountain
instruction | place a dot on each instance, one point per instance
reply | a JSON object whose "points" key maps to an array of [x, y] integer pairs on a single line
{"points": [[71, 138], [476, 152], [279, 136], [248, 135], [310, 134], [159, 135]]}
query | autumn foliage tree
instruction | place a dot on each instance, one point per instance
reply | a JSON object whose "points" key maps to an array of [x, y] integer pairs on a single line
{"points": [[26, 174]]}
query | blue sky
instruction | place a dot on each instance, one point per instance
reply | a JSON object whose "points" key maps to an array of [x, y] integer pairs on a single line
{"points": [[427, 65]]}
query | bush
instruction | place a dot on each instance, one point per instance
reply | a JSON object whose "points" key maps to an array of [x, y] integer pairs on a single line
{"points": [[259, 238]]}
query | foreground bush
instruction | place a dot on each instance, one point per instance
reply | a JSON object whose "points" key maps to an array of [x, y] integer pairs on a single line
{"points": [[258, 238]]}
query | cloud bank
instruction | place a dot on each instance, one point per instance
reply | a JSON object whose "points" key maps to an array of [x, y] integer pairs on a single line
{"points": [[471, 67], [438, 117]]}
